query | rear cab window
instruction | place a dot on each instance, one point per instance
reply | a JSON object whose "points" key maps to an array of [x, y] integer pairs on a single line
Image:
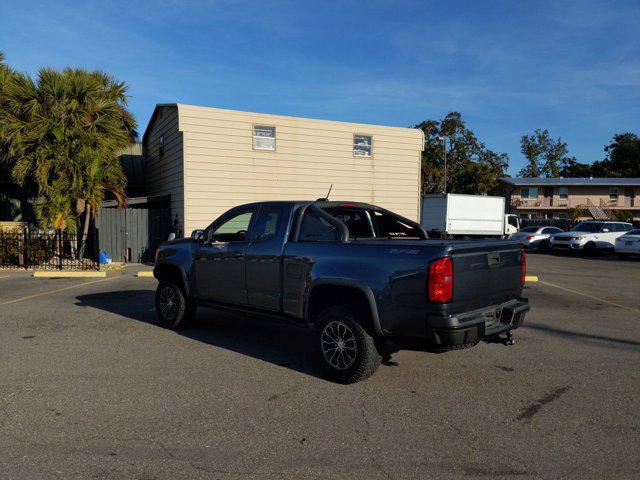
{"points": [[362, 224]]}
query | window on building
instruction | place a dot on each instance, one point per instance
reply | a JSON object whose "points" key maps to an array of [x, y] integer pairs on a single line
{"points": [[362, 145], [161, 146], [264, 138], [562, 216], [613, 193], [530, 193], [564, 193]]}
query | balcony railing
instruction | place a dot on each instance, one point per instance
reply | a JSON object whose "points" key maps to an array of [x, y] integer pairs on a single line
{"points": [[571, 202]]}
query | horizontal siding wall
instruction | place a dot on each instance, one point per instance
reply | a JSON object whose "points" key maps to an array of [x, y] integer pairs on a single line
{"points": [[165, 176], [222, 170]]}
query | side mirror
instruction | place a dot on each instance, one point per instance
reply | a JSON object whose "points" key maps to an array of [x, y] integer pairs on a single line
{"points": [[605, 230], [197, 234]]}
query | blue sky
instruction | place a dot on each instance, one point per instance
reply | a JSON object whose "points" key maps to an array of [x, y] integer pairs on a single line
{"points": [[509, 66]]}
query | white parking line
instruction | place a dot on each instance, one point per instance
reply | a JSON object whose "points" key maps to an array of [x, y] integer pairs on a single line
{"points": [[592, 297]]}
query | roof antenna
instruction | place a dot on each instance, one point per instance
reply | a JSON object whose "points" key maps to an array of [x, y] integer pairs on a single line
{"points": [[325, 199]]}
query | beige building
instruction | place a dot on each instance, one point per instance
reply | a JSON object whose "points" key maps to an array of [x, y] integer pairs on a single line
{"points": [[209, 160], [599, 198]]}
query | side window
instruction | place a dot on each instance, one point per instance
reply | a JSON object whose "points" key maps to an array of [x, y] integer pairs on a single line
{"points": [[268, 223], [316, 229], [548, 231], [233, 229], [608, 226]]}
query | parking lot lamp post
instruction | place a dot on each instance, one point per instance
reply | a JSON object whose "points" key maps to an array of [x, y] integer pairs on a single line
{"points": [[444, 150]]}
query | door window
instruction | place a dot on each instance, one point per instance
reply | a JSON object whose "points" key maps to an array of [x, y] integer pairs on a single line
{"points": [[234, 229], [267, 225], [608, 226]]}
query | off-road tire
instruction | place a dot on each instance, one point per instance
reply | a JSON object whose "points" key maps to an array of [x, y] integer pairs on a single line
{"points": [[182, 310], [367, 357]]}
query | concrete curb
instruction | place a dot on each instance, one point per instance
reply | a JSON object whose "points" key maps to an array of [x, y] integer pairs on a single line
{"points": [[145, 274], [530, 278], [63, 274]]}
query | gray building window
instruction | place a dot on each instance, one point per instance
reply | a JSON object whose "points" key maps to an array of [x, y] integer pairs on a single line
{"points": [[613, 193], [564, 193], [161, 146], [530, 193], [264, 137], [362, 146]]}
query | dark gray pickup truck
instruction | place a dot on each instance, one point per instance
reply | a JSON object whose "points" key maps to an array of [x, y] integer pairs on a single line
{"points": [[363, 278]]}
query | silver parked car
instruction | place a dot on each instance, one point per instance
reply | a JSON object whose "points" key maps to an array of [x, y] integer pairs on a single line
{"points": [[628, 244], [535, 238]]}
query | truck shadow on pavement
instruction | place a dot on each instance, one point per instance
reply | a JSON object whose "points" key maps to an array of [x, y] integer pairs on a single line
{"points": [[271, 342], [582, 336]]}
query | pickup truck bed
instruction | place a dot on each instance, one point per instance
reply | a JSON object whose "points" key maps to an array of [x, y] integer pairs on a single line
{"points": [[360, 276]]}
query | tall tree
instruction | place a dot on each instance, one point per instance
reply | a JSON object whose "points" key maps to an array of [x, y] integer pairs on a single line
{"points": [[623, 157], [471, 167], [545, 156], [571, 168], [64, 130]]}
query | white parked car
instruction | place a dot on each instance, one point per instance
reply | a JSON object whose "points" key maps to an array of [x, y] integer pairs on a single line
{"points": [[535, 238], [629, 243], [590, 236]]}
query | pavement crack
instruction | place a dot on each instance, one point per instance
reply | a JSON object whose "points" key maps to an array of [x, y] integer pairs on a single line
{"points": [[535, 407]]}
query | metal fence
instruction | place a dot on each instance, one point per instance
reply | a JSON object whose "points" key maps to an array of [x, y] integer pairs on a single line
{"points": [[32, 249]]}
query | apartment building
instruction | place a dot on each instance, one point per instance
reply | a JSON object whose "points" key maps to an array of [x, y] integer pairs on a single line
{"points": [[561, 198]]}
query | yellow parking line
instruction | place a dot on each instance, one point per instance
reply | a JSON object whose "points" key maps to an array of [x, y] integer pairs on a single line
{"points": [[49, 292], [531, 278], [592, 297]]}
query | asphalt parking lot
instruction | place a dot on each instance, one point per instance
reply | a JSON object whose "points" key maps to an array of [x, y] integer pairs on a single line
{"points": [[91, 387]]}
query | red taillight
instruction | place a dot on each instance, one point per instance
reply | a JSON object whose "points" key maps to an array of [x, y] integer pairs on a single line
{"points": [[529, 237], [441, 280], [524, 267]]}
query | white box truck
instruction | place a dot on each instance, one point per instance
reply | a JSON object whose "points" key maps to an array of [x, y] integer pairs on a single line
{"points": [[457, 215]]}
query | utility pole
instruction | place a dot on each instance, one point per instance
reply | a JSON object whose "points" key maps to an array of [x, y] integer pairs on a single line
{"points": [[444, 150]]}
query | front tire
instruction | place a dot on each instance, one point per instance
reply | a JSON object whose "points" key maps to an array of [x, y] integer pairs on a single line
{"points": [[174, 310], [345, 350]]}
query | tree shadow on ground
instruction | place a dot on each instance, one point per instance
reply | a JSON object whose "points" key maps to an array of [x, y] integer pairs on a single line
{"points": [[265, 340]]}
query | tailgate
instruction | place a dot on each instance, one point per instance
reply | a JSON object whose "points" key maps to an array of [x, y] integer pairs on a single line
{"points": [[485, 274]]}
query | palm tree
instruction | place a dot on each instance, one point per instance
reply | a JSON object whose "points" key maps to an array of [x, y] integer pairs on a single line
{"points": [[64, 131]]}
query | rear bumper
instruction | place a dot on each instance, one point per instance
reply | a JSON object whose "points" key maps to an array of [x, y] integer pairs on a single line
{"points": [[471, 327]]}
